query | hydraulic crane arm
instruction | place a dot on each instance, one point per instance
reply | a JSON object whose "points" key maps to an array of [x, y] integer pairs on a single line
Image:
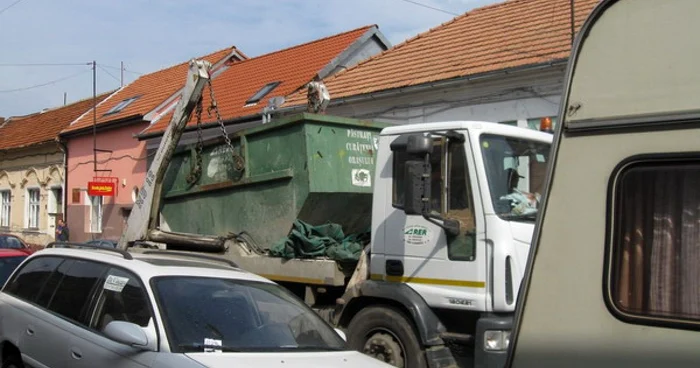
{"points": [[144, 215]]}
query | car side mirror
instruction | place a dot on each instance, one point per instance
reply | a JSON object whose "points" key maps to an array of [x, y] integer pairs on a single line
{"points": [[126, 333]]}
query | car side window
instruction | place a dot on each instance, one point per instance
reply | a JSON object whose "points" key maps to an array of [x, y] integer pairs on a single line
{"points": [[121, 298], [49, 289], [28, 281], [72, 296]]}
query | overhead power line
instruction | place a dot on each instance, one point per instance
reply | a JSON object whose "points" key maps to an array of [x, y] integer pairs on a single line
{"points": [[45, 84], [9, 6], [118, 68], [430, 7], [108, 73], [46, 64]]}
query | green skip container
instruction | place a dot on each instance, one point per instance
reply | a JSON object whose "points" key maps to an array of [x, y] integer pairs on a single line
{"points": [[315, 168]]}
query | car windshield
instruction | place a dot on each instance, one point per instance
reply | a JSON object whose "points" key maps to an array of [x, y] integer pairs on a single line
{"points": [[10, 242], [205, 314], [515, 169], [7, 265]]}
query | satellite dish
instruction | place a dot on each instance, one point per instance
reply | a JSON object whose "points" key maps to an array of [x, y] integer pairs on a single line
{"points": [[275, 102]]}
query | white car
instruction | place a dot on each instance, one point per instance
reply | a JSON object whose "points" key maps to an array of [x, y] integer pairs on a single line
{"points": [[68, 307]]}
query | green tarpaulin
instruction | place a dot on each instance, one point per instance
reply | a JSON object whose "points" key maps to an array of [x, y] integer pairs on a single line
{"points": [[327, 240]]}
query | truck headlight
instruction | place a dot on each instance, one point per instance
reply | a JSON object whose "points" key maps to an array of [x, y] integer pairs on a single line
{"points": [[496, 340]]}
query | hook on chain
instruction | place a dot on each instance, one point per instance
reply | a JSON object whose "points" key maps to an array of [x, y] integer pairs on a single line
{"points": [[238, 160]]}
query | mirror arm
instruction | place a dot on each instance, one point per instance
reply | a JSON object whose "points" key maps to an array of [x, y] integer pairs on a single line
{"points": [[449, 230]]}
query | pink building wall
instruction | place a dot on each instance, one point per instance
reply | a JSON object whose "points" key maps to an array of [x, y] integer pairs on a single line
{"points": [[127, 162]]}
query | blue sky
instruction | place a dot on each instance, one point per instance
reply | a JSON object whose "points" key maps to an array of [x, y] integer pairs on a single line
{"points": [[148, 35]]}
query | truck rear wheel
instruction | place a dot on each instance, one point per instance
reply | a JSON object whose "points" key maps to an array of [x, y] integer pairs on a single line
{"points": [[385, 333]]}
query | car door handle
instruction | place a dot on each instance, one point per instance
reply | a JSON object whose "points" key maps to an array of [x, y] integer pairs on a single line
{"points": [[30, 331], [75, 354]]}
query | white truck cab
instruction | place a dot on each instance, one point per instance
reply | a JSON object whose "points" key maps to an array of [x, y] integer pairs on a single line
{"points": [[453, 213], [469, 182]]}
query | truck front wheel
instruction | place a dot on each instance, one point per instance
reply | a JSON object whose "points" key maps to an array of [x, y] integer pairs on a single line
{"points": [[385, 333]]}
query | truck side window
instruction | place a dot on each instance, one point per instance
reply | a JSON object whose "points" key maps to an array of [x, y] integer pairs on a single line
{"points": [[655, 249], [460, 204]]}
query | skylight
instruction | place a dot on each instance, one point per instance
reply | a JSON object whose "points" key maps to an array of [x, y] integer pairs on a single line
{"points": [[262, 93], [120, 106]]}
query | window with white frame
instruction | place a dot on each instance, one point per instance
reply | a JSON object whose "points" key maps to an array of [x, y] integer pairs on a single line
{"points": [[5, 208], [96, 214], [33, 205]]}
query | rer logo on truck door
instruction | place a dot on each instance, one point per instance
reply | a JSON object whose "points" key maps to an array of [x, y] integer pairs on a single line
{"points": [[416, 235]]}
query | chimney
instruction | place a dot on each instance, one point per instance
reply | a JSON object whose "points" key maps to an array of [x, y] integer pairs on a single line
{"points": [[2, 120]]}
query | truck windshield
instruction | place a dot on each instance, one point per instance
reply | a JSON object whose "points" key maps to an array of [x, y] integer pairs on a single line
{"points": [[205, 314], [515, 169]]}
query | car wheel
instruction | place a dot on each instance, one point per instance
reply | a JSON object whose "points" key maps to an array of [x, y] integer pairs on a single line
{"points": [[386, 334]]}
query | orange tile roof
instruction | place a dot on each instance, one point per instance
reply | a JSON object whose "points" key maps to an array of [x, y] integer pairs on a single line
{"points": [[44, 126], [510, 34], [293, 67], [153, 89]]}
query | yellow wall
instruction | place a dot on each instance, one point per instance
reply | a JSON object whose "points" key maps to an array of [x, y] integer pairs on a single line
{"points": [[36, 167]]}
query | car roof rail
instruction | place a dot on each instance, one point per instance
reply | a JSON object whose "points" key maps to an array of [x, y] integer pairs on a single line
{"points": [[192, 255], [62, 244]]}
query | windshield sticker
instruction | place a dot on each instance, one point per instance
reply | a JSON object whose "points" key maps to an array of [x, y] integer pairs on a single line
{"points": [[416, 235], [115, 283], [361, 178], [485, 144], [209, 345]]}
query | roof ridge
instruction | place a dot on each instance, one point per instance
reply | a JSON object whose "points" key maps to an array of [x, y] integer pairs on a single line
{"points": [[309, 43]]}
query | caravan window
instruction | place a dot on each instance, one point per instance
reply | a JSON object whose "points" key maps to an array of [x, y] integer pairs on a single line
{"points": [[653, 270]]}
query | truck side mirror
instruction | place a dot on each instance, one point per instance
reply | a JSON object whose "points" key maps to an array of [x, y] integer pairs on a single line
{"points": [[417, 183]]}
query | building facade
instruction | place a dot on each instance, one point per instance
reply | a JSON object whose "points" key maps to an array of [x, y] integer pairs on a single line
{"points": [[33, 171], [31, 192], [121, 164]]}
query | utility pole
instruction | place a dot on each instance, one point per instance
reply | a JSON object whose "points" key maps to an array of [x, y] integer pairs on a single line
{"points": [[121, 80], [94, 115]]}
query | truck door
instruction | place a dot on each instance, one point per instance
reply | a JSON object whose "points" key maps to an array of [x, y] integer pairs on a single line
{"points": [[443, 268]]}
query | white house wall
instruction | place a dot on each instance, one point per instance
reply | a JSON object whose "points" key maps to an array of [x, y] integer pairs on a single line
{"points": [[515, 97]]}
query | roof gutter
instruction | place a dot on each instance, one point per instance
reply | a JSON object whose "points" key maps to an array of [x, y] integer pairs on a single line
{"points": [[112, 124], [430, 85], [189, 128]]}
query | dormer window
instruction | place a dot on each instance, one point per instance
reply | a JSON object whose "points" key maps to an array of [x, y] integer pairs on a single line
{"points": [[120, 106], [262, 93]]}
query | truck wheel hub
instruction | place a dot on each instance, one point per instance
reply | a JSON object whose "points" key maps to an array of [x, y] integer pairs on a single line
{"points": [[385, 347]]}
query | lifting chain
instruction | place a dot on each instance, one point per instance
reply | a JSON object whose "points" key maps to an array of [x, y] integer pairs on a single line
{"points": [[196, 170], [238, 161]]}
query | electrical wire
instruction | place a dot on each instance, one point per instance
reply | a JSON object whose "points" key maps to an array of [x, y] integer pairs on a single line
{"points": [[111, 159], [108, 73], [9, 6], [45, 84], [46, 64], [431, 7], [124, 69]]}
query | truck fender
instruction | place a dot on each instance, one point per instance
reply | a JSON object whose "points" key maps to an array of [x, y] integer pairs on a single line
{"points": [[429, 326]]}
